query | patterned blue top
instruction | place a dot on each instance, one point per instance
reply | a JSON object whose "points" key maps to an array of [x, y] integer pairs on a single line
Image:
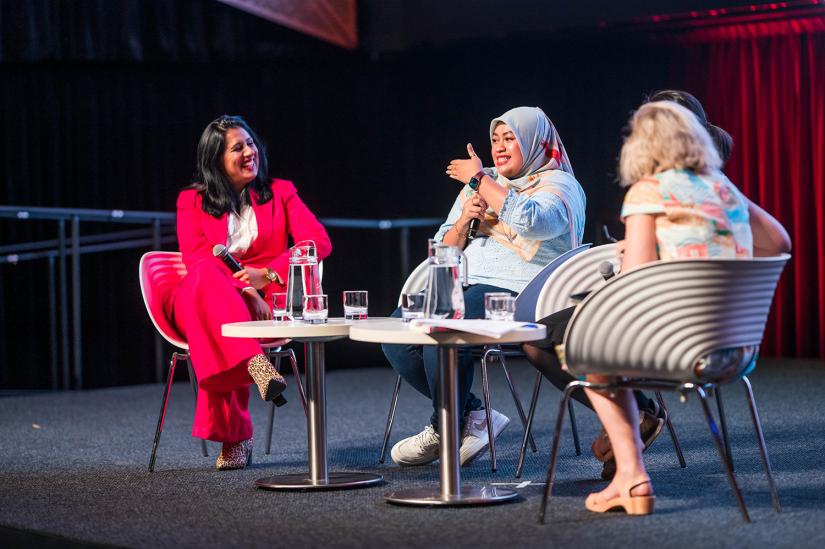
{"points": [[541, 216]]}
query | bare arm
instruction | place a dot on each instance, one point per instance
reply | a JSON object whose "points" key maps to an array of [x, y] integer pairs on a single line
{"points": [[769, 236], [640, 241]]}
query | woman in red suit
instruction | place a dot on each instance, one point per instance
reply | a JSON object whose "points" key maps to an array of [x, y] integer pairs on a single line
{"points": [[236, 204]]}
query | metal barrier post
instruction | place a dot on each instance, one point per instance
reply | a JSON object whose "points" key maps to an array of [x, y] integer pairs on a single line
{"points": [[405, 252], [52, 325], [158, 340], [64, 304], [77, 330]]}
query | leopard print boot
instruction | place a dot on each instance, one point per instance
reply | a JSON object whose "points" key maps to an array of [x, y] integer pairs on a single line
{"points": [[235, 456], [270, 383]]}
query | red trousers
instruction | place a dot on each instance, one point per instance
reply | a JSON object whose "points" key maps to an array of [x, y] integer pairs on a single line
{"points": [[205, 300]]}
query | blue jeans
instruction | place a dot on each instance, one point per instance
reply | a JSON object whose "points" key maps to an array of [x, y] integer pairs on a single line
{"points": [[418, 364]]}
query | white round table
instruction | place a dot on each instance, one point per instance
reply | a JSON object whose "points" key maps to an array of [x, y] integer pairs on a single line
{"points": [[450, 492], [314, 336]]}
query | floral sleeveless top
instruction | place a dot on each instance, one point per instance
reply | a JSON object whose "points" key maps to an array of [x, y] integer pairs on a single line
{"points": [[696, 215]]}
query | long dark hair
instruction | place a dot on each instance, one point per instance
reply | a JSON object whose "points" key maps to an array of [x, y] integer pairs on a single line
{"points": [[217, 195], [721, 139]]}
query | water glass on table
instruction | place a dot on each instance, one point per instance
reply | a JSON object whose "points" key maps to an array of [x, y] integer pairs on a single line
{"points": [[412, 306], [279, 308], [499, 306], [316, 308], [355, 304]]}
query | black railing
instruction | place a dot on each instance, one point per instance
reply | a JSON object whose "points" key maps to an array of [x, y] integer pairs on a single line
{"points": [[63, 256]]}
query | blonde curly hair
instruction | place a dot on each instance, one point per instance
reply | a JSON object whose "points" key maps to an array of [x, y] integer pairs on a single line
{"points": [[665, 136]]}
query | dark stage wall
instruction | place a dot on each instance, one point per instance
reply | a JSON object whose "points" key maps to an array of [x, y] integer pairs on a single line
{"points": [[104, 111]]}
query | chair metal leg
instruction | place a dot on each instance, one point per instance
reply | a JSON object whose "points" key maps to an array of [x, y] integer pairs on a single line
{"points": [[527, 428], [723, 424], [162, 416], [574, 427], [194, 381], [488, 409], [721, 450], [269, 423], [554, 451], [390, 418], [517, 400], [676, 445], [297, 375], [276, 356], [760, 438]]}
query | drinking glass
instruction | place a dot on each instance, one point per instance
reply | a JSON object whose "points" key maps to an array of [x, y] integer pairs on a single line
{"points": [[355, 304], [487, 300], [316, 307], [412, 306], [279, 306], [499, 306]]}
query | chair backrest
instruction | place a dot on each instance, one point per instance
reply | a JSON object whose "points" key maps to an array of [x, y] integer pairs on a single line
{"points": [[529, 296], [160, 273], [659, 320], [578, 274], [416, 281]]}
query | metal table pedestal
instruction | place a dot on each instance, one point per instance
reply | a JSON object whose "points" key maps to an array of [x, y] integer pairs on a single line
{"points": [[318, 478], [451, 493]]}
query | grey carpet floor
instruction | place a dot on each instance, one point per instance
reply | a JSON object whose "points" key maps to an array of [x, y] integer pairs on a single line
{"points": [[74, 465]]}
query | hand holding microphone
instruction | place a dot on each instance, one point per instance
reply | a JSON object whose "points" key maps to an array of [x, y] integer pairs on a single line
{"points": [[467, 171], [220, 251], [472, 212]]}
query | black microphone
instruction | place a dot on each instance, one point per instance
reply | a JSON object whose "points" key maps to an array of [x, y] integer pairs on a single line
{"points": [[220, 251], [606, 270], [473, 228]]}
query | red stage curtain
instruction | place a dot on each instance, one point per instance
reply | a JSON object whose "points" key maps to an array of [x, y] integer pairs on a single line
{"points": [[765, 84]]}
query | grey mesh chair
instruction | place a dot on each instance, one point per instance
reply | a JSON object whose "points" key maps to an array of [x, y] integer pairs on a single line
{"points": [[578, 275], [683, 326], [525, 307]]}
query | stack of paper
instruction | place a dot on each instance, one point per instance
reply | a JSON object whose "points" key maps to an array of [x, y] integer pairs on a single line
{"points": [[489, 328]]}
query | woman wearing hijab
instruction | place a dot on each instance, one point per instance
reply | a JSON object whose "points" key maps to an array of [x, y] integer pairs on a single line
{"points": [[531, 210]]}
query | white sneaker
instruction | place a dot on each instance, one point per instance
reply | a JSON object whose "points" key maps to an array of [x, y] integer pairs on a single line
{"points": [[418, 449], [474, 439]]}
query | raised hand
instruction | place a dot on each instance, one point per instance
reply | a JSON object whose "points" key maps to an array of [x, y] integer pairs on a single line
{"points": [[463, 169]]}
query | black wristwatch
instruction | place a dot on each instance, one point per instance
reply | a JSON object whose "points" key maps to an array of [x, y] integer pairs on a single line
{"points": [[475, 181]]}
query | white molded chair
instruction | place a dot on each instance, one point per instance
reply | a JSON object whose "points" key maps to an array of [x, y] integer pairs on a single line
{"points": [[578, 275], [525, 307], [159, 274], [684, 326]]}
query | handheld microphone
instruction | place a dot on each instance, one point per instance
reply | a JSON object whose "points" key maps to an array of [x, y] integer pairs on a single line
{"points": [[220, 251], [473, 228], [607, 270]]}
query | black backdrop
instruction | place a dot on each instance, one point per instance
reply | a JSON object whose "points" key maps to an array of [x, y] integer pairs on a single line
{"points": [[102, 105]]}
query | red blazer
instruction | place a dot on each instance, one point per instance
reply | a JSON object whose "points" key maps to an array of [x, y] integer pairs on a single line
{"points": [[283, 216]]}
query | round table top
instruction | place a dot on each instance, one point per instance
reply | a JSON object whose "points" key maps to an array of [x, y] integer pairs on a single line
{"points": [[271, 329], [334, 328], [394, 330]]}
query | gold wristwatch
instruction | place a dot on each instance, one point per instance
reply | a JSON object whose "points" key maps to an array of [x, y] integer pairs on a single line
{"points": [[271, 275]]}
